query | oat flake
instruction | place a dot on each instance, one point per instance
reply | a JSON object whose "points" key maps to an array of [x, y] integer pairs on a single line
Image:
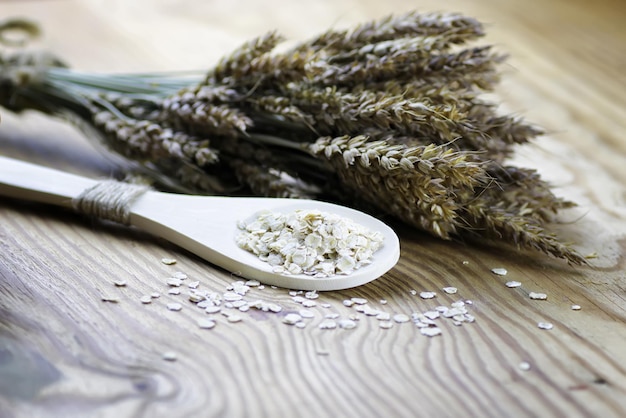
{"points": [[174, 306], [309, 242], [499, 271], [347, 324], [430, 331], [328, 324], [292, 318], [305, 313], [205, 323], [513, 284], [400, 318], [174, 282], [234, 318]]}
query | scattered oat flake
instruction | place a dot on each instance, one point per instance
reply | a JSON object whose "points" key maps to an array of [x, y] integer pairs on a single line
{"points": [[232, 296], [465, 262], [206, 323], [432, 315], [309, 303], [253, 283], [450, 290], [300, 324], [413, 292], [383, 301], [174, 282], [305, 313], [155, 295], [385, 324], [174, 306], [348, 303], [272, 307], [120, 283], [240, 288], [146, 299], [576, 307], [359, 301], [513, 284], [400, 318], [325, 305], [239, 303], [311, 295], [292, 319], [174, 291], [328, 324], [168, 261], [234, 318], [195, 297], [427, 295], [110, 299], [347, 324], [169, 356], [524, 366], [179, 275], [430, 331], [383, 316], [538, 296], [499, 271], [194, 285], [545, 325]]}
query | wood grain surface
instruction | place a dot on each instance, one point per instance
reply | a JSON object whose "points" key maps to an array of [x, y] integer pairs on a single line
{"points": [[65, 352]]}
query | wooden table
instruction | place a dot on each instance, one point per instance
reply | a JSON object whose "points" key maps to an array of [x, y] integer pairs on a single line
{"points": [[64, 352]]}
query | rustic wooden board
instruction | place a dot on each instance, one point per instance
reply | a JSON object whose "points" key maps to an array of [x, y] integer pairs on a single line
{"points": [[65, 352]]}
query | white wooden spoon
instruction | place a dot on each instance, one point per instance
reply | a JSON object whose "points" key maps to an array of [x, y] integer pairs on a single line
{"points": [[204, 225]]}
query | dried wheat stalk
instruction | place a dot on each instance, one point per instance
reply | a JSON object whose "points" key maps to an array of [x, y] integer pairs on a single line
{"points": [[389, 114]]}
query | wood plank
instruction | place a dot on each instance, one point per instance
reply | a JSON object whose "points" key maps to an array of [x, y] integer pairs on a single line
{"points": [[65, 352]]}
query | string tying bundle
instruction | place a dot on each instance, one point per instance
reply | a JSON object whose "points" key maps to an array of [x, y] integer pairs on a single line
{"points": [[109, 199]]}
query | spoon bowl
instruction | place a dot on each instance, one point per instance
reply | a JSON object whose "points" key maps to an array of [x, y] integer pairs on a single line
{"points": [[206, 225]]}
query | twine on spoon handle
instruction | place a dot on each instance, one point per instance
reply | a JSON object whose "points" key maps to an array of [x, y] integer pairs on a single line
{"points": [[109, 199]]}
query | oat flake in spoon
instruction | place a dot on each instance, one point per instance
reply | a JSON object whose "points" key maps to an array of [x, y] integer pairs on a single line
{"points": [[309, 242]]}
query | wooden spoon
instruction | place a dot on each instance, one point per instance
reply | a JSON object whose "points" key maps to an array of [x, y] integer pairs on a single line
{"points": [[204, 225]]}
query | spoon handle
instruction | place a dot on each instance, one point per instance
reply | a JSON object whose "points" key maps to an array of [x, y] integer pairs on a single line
{"points": [[32, 182]]}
